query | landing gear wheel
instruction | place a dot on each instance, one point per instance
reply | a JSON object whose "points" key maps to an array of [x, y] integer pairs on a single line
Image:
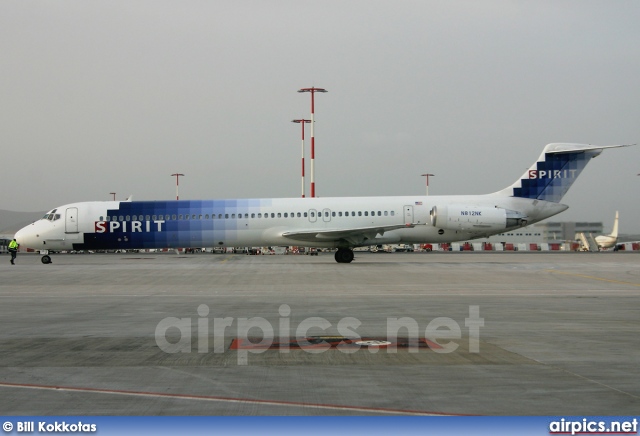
{"points": [[344, 255], [46, 259]]}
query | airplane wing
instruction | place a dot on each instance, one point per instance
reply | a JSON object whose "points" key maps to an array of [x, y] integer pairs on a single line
{"points": [[354, 236]]}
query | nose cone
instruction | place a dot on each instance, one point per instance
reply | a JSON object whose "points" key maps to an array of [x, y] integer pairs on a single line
{"points": [[28, 237]]}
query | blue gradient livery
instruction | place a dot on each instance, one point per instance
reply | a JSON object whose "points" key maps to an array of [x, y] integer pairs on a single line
{"points": [[341, 222]]}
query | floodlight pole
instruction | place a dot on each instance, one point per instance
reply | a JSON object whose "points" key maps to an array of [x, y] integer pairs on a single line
{"points": [[427, 176], [114, 195], [302, 121], [177, 176], [312, 90]]}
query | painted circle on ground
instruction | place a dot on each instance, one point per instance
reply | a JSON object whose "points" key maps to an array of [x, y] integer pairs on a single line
{"points": [[373, 343]]}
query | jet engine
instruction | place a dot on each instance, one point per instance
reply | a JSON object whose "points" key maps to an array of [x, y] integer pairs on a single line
{"points": [[474, 218]]}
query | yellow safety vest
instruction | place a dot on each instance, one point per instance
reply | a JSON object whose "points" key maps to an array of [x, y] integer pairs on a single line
{"points": [[12, 245]]}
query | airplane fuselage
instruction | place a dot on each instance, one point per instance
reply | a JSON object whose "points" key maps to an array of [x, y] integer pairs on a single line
{"points": [[341, 222], [273, 222]]}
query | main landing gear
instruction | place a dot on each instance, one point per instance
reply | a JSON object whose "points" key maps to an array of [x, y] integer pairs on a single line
{"points": [[344, 255]]}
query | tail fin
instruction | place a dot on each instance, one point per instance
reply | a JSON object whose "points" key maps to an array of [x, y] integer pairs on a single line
{"points": [[551, 176], [614, 231]]}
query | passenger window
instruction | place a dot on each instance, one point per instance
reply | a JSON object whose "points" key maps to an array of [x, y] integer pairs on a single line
{"points": [[279, 215], [366, 213], [359, 213], [173, 217], [273, 215], [155, 217], [226, 216]]}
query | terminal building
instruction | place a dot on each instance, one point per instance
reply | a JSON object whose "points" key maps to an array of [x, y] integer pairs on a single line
{"points": [[548, 232], [550, 235]]}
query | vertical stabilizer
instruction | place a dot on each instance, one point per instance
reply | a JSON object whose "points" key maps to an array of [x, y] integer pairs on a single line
{"points": [[614, 232], [551, 176]]}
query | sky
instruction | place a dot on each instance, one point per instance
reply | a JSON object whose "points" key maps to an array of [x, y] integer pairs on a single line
{"points": [[115, 96]]}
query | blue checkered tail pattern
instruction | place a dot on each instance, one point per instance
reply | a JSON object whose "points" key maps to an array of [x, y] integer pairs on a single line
{"points": [[551, 176]]}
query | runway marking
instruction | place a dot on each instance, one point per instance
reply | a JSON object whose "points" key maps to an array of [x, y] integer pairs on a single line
{"points": [[595, 381], [320, 342], [380, 410], [593, 278]]}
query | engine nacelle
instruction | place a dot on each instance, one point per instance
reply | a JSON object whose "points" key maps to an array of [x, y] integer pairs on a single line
{"points": [[474, 218]]}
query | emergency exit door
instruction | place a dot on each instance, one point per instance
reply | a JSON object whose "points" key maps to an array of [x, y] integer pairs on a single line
{"points": [[408, 214]]}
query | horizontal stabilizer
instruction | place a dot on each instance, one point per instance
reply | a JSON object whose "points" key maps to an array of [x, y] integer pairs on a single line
{"points": [[578, 148]]}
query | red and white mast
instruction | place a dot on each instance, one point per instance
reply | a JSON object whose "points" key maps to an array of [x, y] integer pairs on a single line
{"points": [[302, 121], [312, 90], [177, 176]]}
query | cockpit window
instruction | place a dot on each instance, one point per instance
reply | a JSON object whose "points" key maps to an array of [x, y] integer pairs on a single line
{"points": [[51, 216]]}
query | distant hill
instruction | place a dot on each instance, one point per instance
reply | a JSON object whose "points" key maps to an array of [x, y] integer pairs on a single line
{"points": [[11, 222]]}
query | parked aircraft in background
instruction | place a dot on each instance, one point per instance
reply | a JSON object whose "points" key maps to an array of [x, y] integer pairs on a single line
{"points": [[342, 222], [609, 241]]}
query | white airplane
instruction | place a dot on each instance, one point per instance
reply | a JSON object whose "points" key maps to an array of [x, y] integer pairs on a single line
{"points": [[342, 222], [609, 241]]}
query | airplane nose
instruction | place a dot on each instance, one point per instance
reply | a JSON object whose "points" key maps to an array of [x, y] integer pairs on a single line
{"points": [[26, 236]]}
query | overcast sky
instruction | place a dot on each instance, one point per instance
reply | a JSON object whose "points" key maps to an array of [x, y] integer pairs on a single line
{"points": [[115, 96]]}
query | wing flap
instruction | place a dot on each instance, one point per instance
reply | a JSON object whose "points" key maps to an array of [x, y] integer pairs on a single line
{"points": [[353, 236]]}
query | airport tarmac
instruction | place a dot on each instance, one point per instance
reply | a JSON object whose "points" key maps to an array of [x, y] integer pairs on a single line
{"points": [[539, 334]]}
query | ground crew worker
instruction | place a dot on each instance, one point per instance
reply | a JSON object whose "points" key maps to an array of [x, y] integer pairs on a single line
{"points": [[13, 249]]}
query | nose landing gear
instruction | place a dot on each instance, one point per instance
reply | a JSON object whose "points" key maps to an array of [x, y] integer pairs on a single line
{"points": [[45, 258]]}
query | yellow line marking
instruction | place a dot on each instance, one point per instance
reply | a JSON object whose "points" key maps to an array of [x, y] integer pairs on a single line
{"points": [[593, 278]]}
